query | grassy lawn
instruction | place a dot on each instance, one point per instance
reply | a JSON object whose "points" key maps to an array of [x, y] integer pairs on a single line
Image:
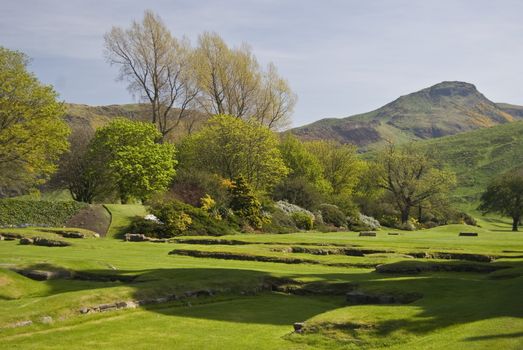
{"points": [[455, 310], [121, 216]]}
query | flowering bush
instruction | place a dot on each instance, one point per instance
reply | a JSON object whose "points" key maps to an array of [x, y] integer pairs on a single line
{"points": [[290, 208], [369, 222], [363, 223]]}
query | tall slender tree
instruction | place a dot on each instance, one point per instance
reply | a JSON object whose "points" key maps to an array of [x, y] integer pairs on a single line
{"points": [[157, 67], [232, 82]]}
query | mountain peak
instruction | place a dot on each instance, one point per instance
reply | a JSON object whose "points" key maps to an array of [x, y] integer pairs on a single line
{"points": [[447, 108], [452, 88]]}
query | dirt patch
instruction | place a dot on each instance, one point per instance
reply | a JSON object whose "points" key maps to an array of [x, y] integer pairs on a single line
{"points": [[94, 218]]}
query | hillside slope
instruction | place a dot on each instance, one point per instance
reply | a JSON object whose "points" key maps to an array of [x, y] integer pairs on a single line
{"points": [[444, 109], [81, 117], [480, 155]]}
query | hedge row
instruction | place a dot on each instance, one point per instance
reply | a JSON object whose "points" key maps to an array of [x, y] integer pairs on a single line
{"points": [[37, 213]]}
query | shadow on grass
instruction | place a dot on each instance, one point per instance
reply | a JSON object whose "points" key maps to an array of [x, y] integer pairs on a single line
{"points": [[240, 296], [496, 336]]}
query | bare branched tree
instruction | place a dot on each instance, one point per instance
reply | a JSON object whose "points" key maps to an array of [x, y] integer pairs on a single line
{"points": [[232, 82], [275, 101], [157, 67]]}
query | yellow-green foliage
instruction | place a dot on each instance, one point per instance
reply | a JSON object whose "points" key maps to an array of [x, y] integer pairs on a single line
{"points": [[137, 163], [229, 147], [33, 134]]}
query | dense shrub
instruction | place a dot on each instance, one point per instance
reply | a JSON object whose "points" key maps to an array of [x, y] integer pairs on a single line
{"points": [[183, 219], [279, 222], [148, 227], [369, 222], [332, 215], [244, 203], [191, 186], [468, 219], [35, 213], [389, 221], [298, 191], [302, 220], [363, 223]]}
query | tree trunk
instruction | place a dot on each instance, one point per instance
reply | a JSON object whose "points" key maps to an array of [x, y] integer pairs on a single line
{"points": [[515, 222], [405, 212]]}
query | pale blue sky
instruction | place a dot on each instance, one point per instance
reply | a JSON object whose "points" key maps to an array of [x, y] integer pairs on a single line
{"points": [[340, 57]]}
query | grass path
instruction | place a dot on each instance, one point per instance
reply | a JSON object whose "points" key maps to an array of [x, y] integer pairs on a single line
{"points": [[121, 216]]}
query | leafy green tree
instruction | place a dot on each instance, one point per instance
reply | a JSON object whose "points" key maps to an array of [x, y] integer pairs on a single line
{"points": [[229, 147], [33, 134], [411, 177], [299, 191], [244, 203], [300, 161], [504, 195], [340, 163], [137, 163]]}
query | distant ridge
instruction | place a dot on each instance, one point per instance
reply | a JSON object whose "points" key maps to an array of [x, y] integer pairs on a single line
{"points": [[447, 108]]}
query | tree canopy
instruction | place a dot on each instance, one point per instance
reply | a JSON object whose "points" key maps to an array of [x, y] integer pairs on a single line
{"points": [[504, 195], [231, 147], [340, 163], [137, 163], [411, 177], [33, 134]]}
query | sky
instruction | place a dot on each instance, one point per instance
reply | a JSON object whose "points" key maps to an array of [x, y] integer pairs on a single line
{"points": [[340, 57]]}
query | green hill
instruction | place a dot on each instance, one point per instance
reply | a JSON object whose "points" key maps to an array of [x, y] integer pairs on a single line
{"points": [[444, 109], [81, 117], [480, 155]]}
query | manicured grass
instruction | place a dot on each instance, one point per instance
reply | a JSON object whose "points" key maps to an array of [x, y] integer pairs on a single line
{"points": [[457, 310], [121, 216]]}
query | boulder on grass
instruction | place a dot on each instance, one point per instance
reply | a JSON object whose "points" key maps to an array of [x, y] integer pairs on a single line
{"points": [[468, 234], [367, 234], [26, 241], [136, 237], [49, 242], [46, 319], [71, 234], [44, 275], [8, 236], [298, 327]]}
